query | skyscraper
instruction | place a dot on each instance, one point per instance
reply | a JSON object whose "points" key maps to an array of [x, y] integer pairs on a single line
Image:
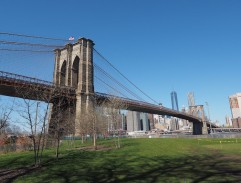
{"points": [[174, 101], [191, 100]]}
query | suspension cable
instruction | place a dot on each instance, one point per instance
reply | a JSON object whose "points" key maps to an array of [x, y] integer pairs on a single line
{"points": [[111, 87], [31, 36], [26, 50], [28, 44], [121, 85], [124, 76]]}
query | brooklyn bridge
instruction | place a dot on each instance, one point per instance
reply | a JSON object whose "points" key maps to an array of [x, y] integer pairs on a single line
{"points": [[74, 80]]}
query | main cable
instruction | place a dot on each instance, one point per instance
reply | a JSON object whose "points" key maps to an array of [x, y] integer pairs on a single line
{"points": [[25, 50], [28, 44], [31, 36], [48, 38]]}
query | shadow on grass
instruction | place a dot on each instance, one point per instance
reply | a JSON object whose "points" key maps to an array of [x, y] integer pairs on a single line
{"points": [[113, 166]]}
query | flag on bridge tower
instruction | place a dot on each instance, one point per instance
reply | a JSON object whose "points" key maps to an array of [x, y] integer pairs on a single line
{"points": [[71, 38]]}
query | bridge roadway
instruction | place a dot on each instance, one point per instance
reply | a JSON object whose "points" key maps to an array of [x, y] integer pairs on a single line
{"points": [[11, 84], [15, 85], [227, 130], [140, 106]]}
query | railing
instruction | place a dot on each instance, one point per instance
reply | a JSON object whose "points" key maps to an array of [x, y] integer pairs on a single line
{"points": [[24, 78], [31, 80], [148, 105], [226, 129]]}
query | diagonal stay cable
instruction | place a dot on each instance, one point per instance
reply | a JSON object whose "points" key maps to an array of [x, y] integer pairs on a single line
{"points": [[124, 76], [121, 85], [117, 82], [116, 90]]}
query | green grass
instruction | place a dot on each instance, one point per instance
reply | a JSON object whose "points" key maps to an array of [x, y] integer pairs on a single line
{"points": [[139, 160]]}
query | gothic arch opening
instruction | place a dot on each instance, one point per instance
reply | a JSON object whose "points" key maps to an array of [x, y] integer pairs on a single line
{"points": [[75, 72], [63, 73]]}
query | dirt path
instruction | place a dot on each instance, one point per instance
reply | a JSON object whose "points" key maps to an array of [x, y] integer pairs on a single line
{"points": [[8, 175]]}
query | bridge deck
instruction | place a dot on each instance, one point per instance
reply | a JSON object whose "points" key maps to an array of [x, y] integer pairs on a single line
{"points": [[16, 85], [140, 106]]}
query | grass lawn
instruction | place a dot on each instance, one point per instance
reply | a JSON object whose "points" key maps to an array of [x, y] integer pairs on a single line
{"points": [[139, 160]]}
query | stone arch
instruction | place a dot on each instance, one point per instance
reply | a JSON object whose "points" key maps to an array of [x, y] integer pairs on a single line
{"points": [[75, 72], [193, 111], [63, 73], [197, 111]]}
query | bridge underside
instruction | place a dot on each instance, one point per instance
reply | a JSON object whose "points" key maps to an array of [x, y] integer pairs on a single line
{"points": [[33, 91], [21, 93], [139, 106], [50, 93]]}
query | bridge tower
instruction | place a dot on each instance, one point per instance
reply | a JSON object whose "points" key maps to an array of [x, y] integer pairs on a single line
{"points": [[198, 111], [74, 68]]}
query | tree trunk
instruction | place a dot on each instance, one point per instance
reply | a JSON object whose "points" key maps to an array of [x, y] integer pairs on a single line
{"points": [[94, 138], [35, 151], [82, 139], [118, 140], [57, 149]]}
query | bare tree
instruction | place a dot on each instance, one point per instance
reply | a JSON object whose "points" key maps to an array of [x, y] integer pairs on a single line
{"points": [[62, 120], [91, 121], [83, 126], [29, 111], [35, 115], [114, 105], [5, 116]]}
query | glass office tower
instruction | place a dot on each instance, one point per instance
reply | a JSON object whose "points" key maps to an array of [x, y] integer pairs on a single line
{"points": [[174, 101]]}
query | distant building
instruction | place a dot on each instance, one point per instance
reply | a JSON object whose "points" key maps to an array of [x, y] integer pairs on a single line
{"points": [[123, 122], [191, 99], [174, 125], [228, 121], [174, 101], [133, 119], [163, 122], [236, 122], [160, 122], [137, 121], [235, 105], [144, 122], [151, 121]]}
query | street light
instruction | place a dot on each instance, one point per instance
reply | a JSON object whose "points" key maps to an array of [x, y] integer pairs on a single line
{"points": [[209, 116], [208, 111]]}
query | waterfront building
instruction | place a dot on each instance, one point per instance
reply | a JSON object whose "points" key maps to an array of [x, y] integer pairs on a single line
{"points": [[235, 106], [236, 122], [137, 121], [174, 125], [151, 121]]}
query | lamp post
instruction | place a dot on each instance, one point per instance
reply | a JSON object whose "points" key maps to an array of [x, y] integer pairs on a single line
{"points": [[209, 116]]}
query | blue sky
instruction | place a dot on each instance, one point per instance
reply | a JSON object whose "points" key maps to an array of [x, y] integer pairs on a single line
{"points": [[160, 45]]}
